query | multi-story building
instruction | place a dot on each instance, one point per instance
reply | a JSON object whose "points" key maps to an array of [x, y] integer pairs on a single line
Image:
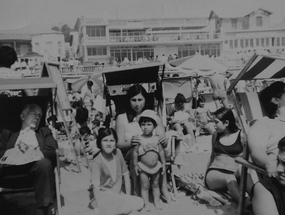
{"points": [[51, 45], [216, 34], [248, 33], [101, 39], [21, 42]]}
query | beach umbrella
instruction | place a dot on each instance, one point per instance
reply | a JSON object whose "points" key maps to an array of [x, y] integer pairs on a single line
{"points": [[96, 79], [198, 64]]}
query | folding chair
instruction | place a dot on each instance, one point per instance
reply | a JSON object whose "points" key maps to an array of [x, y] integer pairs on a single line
{"points": [[10, 111]]}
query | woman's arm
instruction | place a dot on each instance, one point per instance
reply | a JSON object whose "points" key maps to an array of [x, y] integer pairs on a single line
{"points": [[161, 133], [258, 136], [135, 159], [263, 202], [127, 183], [121, 130], [162, 158], [212, 156]]}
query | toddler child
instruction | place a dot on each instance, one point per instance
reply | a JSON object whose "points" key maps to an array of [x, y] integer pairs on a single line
{"points": [[149, 158]]}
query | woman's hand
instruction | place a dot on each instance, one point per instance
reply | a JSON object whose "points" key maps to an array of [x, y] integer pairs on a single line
{"points": [[135, 140], [162, 141], [137, 169], [271, 168]]}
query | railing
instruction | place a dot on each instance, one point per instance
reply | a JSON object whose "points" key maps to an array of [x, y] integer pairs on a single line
{"points": [[164, 37]]}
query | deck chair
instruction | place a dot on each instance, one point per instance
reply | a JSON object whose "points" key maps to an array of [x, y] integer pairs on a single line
{"points": [[252, 110], [10, 111]]}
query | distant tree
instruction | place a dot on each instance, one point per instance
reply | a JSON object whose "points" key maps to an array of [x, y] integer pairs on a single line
{"points": [[65, 30]]}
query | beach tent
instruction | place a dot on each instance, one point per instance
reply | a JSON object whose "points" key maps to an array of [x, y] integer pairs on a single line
{"points": [[200, 64], [261, 67]]}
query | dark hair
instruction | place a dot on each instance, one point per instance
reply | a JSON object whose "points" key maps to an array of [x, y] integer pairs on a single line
{"points": [[75, 104], [275, 90], [179, 98], [147, 119], [84, 130], [224, 114], [133, 91], [104, 132], [81, 115], [281, 144], [8, 56], [201, 99], [90, 83]]}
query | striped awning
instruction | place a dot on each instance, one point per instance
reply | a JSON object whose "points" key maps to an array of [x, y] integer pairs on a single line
{"points": [[262, 67]]}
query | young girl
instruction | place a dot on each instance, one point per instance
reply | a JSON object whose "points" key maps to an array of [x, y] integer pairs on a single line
{"points": [[149, 158], [227, 144], [107, 171]]}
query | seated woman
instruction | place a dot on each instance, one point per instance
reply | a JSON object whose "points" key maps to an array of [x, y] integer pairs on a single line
{"points": [[107, 171], [227, 144], [179, 118], [128, 131], [269, 193], [264, 134]]}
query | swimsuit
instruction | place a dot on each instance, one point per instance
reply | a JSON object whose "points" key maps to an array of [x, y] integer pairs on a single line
{"points": [[143, 149]]}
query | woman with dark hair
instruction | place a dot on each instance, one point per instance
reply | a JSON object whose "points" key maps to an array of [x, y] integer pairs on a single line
{"points": [[227, 144], [264, 134], [129, 131], [108, 169]]}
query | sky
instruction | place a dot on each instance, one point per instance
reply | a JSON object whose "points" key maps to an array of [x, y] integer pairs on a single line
{"points": [[44, 14]]}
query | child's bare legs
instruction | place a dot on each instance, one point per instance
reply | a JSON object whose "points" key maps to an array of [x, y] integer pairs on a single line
{"points": [[155, 189], [144, 189], [188, 128]]}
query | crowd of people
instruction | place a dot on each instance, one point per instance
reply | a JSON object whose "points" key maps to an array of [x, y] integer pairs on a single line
{"points": [[135, 150]]}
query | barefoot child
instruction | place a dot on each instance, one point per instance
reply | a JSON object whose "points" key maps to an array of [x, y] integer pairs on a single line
{"points": [[149, 158], [107, 171]]}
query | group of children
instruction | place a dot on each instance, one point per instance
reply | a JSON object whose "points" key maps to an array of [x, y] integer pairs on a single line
{"points": [[109, 167]]}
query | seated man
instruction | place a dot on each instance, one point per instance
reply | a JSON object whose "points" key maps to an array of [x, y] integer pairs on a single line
{"points": [[38, 157], [269, 192]]}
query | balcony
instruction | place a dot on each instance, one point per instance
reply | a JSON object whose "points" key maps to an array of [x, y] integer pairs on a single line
{"points": [[164, 37]]}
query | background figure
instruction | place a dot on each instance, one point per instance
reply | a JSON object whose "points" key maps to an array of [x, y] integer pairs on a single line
{"points": [[219, 85], [87, 96], [264, 134], [203, 118], [180, 119], [269, 193]]}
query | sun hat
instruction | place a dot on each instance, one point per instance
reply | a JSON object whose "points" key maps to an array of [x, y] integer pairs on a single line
{"points": [[149, 114]]}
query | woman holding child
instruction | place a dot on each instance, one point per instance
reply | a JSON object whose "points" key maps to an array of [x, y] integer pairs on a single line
{"points": [[128, 129]]}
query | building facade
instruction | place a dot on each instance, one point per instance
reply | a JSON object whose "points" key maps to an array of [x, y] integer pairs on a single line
{"points": [[216, 35]]}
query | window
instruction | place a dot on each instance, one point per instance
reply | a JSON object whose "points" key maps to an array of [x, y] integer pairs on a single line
{"points": [[267, 41], [234, 23], [257, 42], [262, 42], [283, 41], [241, 43], [245, 24], [278, 41], [236, 43], [246, 43], [259, 21], [273, 41], [95, 51], [231, 44], [96, 31], [251, 42], [24, 49]]}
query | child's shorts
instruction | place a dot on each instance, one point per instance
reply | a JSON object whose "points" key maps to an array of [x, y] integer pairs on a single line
{"points": [[148, 170]]}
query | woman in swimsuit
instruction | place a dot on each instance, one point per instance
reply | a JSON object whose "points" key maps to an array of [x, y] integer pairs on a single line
{"points": [[149, 158], [227, 144]]}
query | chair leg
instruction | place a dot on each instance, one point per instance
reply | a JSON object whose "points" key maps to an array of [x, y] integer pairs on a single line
{"points": [[242, 189], [173, 182], [58, 200]]}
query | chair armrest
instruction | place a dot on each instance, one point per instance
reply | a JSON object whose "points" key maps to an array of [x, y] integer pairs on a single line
{"points": [[250, 165]]}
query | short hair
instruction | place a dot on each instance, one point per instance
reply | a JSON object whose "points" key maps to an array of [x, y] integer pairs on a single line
{"points": [[90, 83], [104, 132], [31, 107], [144, 119], [81, 115], [224, 114], [179, 98], [281, 144], [8, 56], [84, 130]]}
